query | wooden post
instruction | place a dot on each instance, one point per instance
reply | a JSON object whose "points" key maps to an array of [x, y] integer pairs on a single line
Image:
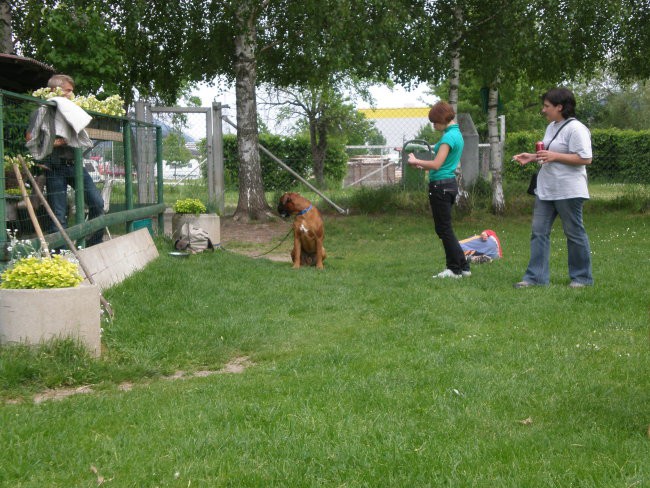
{"points": [[45, 252]]}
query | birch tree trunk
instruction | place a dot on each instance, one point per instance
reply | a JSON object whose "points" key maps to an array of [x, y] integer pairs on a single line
{"points": [[6, 42], [454, 83], [252, 203], [496, 157]]}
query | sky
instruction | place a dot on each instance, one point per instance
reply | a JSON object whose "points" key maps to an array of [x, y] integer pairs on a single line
{"points": [[398, 97]]}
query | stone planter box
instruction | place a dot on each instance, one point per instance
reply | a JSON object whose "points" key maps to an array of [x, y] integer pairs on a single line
{"points": [[208, 222], [34, 316]]}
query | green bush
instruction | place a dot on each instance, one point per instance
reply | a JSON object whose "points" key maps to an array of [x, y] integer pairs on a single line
{"points": [[618, 155], [189, 206], [295, 152]]}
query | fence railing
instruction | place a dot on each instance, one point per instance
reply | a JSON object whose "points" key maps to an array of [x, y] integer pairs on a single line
{"points": [[125, 163]]}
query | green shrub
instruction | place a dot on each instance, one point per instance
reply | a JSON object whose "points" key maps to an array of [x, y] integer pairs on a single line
{"points": [[618, 155], [189, 206], [295, 152]]}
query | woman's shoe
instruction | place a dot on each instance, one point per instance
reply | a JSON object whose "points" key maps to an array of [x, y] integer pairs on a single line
{"points": [[523, 284]]}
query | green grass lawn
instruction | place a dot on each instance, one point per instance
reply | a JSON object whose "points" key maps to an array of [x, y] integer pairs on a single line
{"points": [[367, 374]]}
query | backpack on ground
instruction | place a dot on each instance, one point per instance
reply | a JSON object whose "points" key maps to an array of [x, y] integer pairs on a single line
{"points": [[193, 239]]}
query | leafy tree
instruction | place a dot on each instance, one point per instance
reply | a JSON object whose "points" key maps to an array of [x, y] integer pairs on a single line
{"points": [[633, 36], [74, 39], [514, 42], [126, 47], [174, 151], [287, 44], [605, 103], [326, 115]]}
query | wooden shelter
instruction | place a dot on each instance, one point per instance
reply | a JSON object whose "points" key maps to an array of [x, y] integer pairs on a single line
{"points": [[20, 74]]}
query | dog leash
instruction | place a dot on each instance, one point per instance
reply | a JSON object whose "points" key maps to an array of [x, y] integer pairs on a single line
{"points": [[274, 248]]}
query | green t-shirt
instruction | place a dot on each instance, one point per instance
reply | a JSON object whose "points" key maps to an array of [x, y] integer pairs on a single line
{"points": [[454, 139]]}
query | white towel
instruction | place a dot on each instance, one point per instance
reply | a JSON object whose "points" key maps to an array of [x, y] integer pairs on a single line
{"points": [[70, 122]]}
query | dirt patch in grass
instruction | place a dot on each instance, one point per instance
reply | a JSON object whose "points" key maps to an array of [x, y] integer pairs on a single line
{"points": [[236, 366], [258, 239]]}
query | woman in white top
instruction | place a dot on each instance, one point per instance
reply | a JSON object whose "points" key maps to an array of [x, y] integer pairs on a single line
{"points": [[561, 190]]}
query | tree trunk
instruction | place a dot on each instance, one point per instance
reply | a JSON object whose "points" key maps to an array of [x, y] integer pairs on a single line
{"points": [[454, 79], [252, 203], [318, 136], [454, 83], [6, 41], [496, 158]]}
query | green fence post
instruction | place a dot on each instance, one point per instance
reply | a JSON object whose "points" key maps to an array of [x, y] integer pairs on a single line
{"points": [[160, 180], [128, 176], [79, 191], [3, 201]]}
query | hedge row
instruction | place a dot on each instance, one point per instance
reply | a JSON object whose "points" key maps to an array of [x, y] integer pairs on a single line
{"points": [[295, 152], [621, 156]]}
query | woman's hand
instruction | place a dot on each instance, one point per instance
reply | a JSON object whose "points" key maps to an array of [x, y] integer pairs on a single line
{"points": [[413, 161], [570, 159], [525, 158], [545, 156]]}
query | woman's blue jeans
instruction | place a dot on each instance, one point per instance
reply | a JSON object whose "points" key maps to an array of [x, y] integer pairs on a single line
{"points": [[579, 252]]}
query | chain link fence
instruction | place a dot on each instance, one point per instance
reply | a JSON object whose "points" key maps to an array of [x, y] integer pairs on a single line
{"points": [[102, 166]]}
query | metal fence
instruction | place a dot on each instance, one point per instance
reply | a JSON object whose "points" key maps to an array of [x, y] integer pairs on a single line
{"points": [[618, 156], [381, 164], [125, 164]]}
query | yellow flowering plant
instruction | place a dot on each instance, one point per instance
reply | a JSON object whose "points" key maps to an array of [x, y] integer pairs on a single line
{"points": [[37, 273], [190, 206], [113, 105], [28, 269], [11, 161]]}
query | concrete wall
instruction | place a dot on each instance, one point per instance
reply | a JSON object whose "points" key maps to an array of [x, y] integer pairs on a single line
{"points": [[112, 261], [469, 159]]}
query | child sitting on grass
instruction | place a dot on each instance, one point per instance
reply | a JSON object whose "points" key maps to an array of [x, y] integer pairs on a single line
{"points": [[482, 248]]}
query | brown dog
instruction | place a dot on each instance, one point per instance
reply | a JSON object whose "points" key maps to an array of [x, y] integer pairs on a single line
{"points": [[308, 230]]}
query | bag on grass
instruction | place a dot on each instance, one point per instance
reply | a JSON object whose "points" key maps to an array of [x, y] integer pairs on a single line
{"points": [[193, 239]]}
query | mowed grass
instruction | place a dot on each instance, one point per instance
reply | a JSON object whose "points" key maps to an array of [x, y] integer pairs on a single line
{"points": [[367, 374]]}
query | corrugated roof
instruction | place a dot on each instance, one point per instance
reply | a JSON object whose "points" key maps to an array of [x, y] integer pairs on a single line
{"points": [[20, 74]]}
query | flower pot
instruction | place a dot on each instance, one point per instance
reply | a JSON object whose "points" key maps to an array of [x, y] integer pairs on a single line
{"points": [[208, 222], [33, 316]]}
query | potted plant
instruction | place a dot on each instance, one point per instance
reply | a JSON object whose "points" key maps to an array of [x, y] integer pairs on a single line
{"points": [[192, 211], [43, 297]]}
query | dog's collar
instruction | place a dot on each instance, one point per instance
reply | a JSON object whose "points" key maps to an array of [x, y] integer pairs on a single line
{"points": [[304, 211]]}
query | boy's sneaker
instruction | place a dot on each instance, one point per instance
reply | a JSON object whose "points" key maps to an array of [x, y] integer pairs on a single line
{"points": [[466, 273], [484, 258], [448, 274]]}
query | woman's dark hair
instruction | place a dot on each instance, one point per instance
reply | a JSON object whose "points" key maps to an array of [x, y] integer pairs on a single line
{"points": [[441, 113], [564, 97]]}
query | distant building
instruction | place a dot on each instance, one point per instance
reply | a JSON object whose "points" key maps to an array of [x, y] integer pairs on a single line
{"points": [[398, 125], [192, 146]]}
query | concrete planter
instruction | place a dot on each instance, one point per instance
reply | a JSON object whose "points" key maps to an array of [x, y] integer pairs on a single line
{"points": [[208, 222], [33, 316]]}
